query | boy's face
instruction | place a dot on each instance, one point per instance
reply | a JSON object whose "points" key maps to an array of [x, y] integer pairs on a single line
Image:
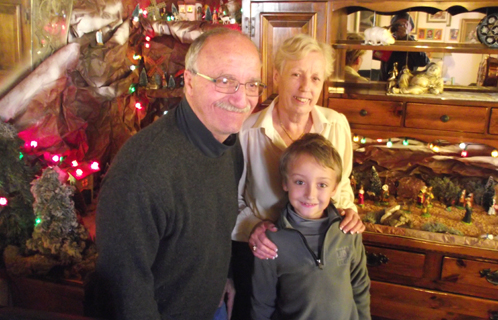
{"points": [[310, 186]]}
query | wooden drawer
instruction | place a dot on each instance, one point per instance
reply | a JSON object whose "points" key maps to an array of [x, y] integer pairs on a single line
{"points": [[493, 122], [385, 113], [392, 301], [469, 277], [448, 118], [399, 264]]}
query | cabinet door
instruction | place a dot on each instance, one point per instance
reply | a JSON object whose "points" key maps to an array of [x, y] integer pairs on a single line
{"points": [[270, 23], [15, 31]]}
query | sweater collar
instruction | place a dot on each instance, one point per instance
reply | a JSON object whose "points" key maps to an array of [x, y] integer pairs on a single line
{"points": [[195, 131], [285, 219]]}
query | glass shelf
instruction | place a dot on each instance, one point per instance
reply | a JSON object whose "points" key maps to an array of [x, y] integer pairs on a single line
{"points": [[418, 46]]}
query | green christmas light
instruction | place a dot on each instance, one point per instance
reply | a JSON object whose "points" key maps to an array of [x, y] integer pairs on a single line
{"points": [[363, 140], [132, 88], [21, 155], [405, 142], [389, 143], [37, 221]]}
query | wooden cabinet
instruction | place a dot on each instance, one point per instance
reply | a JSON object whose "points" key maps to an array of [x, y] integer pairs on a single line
{"points": [[33, 30], [411, 278], [416, 279], [382, 116], [16, 31]]}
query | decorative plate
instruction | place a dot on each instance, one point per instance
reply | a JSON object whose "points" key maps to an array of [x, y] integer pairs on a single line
{"points": [[487, 30]]}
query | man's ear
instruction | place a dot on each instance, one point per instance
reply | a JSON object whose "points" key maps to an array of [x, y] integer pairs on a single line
{"points": [[188, 78]]}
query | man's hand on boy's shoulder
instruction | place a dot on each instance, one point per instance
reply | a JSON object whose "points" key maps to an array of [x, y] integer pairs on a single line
{"points": [[351, 222], [259, 243]]}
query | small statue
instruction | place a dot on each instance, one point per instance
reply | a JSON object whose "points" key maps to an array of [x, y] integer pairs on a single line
{"points": [[468, 210], [384, 197], [461, 199], [361, 197], [421, 196], [428, 197], [378, 36], [353, 183], [493, 208], [393, 76], [427, 81]]}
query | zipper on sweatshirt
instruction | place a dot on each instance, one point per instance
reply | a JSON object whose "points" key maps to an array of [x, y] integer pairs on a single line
{"points": [[318, 261]]}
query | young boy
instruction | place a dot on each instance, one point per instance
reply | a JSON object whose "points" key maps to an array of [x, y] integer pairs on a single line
{"points": [[320, 272]]}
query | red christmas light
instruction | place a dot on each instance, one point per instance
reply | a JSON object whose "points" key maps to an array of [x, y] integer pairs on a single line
{"points": [[464, 153], [147, 45], [3, 201], [95, 166], [147, 38], [138, 105], [56, 158]]}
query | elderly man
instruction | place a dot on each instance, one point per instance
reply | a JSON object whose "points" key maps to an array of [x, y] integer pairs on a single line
{"points": [[168, 203], [401, 26]]}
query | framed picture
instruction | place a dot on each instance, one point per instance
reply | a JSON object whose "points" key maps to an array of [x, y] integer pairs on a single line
{"points": [[438, 34], [365, 20], [414, 16], [454, 34], [421, 34], [440, 16], [468, 30], [429, 34]]}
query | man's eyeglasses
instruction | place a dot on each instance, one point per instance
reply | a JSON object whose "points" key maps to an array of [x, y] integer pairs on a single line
{"points": [[227, 85]]}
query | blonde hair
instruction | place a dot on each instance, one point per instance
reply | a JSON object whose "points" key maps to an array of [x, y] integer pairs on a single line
{"points": [[298, 47], [353, 54], [318, 147]]}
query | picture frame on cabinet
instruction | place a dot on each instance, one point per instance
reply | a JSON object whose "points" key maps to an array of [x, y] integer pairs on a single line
{"points": [[364, 20], [421, 34], [454, 34], [468, 30], [440, 16]]}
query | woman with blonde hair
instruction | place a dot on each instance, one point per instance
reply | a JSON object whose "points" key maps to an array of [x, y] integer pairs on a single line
{"points": [[302, 64]]}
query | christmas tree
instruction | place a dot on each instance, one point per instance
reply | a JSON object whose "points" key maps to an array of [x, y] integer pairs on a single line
{"points": [[57, 232], [375, 183], [16, 206]]}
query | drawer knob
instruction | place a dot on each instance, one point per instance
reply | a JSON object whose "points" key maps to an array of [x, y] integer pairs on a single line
{"points": [[376, 259], [445, 118], [363, 112], [491, 276]]}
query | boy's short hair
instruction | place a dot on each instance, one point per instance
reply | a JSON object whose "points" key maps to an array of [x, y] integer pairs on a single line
{"points": [[318, 147]]}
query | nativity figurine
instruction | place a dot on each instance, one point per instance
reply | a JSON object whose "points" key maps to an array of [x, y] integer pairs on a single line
{"points": [[426, 81]]}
